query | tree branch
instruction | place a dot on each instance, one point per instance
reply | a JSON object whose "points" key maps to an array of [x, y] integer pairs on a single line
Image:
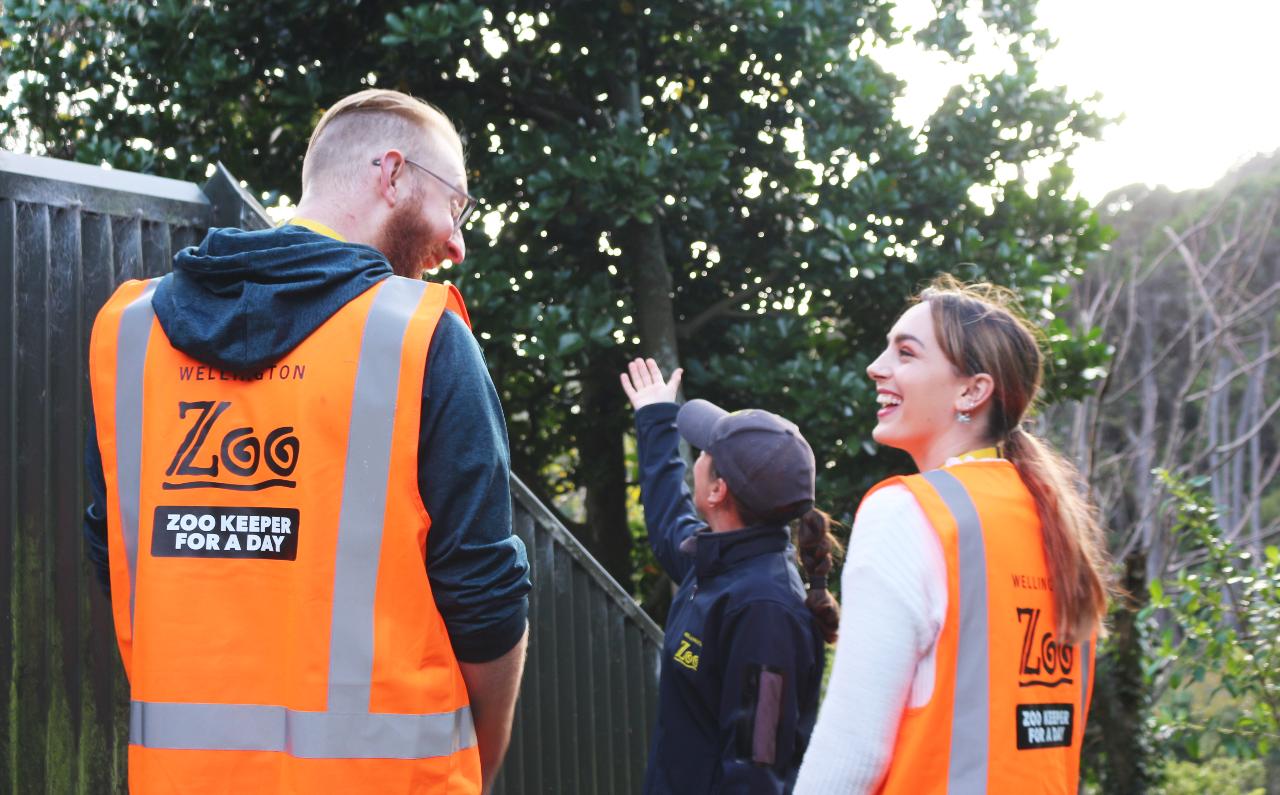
{"points": [[693, 326]]}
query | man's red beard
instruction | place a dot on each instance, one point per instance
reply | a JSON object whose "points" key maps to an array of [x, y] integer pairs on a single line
{"points": [[407, 242]]}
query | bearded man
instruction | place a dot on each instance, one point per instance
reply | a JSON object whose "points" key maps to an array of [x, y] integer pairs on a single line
{"points": [[301, 506]]}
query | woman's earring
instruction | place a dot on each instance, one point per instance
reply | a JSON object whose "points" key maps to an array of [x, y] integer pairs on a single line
{"points": [[963, 417]]}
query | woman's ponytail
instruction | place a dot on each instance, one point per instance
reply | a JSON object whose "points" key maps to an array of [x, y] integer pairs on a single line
{"points": [[982, 330], [816, 546], [1073, 538]]}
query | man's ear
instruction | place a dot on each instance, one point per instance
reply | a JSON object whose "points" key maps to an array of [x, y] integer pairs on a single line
{"points": [[391, 168]]}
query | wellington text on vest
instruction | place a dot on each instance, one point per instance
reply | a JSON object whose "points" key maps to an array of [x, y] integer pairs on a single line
{"points": [[276, 372]]}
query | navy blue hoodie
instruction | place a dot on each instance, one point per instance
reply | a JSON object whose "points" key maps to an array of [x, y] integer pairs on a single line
{"points": [[742, 655], [242, 300]]}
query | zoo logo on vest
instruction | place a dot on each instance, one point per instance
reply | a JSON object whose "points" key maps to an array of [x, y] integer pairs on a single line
{"points": [[685, 655], [240, 453], [1044, 659]]}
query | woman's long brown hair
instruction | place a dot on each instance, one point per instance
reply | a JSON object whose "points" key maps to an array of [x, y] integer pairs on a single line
{"points": [[981, 330]]}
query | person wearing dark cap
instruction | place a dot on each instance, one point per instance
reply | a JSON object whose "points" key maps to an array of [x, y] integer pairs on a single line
{"points": [[743, 653]]}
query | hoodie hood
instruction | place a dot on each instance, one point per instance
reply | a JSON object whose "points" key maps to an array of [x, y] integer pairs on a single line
{"points": [[242, 300]]}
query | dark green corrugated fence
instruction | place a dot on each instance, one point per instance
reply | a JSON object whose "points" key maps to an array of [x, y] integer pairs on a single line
{"points": [[68, 235]]}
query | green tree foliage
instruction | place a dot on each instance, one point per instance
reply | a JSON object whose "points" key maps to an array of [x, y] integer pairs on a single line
{"points": [[1222, 774], [721, 183], [1223, 628]]}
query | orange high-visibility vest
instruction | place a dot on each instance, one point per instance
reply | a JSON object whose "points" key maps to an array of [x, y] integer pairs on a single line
{"points": [[267, 542], [1009, 701]]}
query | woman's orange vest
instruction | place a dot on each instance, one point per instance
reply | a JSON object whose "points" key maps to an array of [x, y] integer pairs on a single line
{"points": [[1009, 701], [267, 544]]}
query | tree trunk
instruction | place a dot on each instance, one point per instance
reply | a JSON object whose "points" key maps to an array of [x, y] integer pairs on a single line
{"points": [[1148, 526], [1120, 698], [1238, 498], [603, 473], [651, 288], [1257, 384], [1219, 433], [1272, 771]]}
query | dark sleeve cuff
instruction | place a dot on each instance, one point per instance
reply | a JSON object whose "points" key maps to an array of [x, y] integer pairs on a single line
{"points": [[655, 414], [94, 526], [493, 641]]}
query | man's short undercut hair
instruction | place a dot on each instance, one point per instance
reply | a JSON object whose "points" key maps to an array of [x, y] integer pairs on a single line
{"points": [[361, 126]]}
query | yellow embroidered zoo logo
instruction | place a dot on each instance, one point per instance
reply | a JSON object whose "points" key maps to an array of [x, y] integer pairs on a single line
{"points": [[685, 655]]}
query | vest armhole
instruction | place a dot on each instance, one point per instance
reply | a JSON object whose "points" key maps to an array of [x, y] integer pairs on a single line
{"points": [[912, 484], [436, 300], [454, 303], [104, 341], [932, 505]]}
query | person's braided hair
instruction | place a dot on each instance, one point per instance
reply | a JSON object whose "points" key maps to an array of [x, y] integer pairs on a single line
{"points": [[816, 547]]}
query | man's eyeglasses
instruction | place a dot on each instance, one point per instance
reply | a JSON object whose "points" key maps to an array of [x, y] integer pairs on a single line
{"points": [[461, 204]]}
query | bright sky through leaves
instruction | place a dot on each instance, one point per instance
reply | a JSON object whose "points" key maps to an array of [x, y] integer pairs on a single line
{"points": [[1195, 83]]}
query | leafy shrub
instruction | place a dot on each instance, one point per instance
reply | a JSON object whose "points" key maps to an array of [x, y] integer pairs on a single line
{"points": [[1216, 652], [1219, 775]]}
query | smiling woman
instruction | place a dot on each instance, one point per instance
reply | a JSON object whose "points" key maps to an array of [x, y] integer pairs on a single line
{"points": [[926, 402], [974, 591]]}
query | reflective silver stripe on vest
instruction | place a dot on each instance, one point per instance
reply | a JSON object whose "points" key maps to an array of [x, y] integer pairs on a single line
{"points": [[970, 729], [131, 360], [1085, 648], [308, 735], [364, 493]]}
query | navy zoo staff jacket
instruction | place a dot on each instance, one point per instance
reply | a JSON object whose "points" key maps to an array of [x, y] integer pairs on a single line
{"points": [[242, 300], [742, 656]]}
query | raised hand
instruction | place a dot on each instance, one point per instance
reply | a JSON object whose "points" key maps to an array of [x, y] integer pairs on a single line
{"points": [[644, 385]]}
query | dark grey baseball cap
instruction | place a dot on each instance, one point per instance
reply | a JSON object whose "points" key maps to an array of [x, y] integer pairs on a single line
{"points": [[762, 457]]}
